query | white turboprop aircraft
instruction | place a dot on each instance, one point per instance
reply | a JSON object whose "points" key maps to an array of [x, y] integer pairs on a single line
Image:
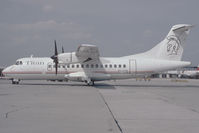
{"points": [[86, 65]]}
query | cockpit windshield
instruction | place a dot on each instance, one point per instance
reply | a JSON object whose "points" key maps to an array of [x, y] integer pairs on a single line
{"points": [[19, 63]]}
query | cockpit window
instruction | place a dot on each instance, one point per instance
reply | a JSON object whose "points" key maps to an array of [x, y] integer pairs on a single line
{"points": [[19, 63]]}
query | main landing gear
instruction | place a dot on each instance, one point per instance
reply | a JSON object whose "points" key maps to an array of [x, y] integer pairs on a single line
{"points": [[15, 81], [90, 82]]}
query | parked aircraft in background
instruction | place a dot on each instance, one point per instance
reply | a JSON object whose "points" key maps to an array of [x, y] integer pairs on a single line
{"points": [[185, 72], [86, 65]]}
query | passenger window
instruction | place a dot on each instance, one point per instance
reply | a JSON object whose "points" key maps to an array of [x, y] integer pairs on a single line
{"points": [[77, 66], [101, 66], [120, 66], [106, 66], [87, 65], [115, 66], [82, 65], [110, 66], [73, 66], [124, 66], [68, 66], [96, 65], [92, 65]]}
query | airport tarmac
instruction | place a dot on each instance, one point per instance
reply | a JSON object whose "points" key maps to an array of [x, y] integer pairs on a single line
{"points": [[158, 106]]}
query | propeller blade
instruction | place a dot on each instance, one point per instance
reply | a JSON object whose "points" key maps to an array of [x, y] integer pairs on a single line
{"points": [[55, 58], [56, 67], [62, 49], [56, 53]]}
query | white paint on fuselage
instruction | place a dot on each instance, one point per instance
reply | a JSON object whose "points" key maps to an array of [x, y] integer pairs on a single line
{"points": [[103, 69]]}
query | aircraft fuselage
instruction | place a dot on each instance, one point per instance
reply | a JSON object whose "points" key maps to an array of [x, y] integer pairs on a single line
{"points": [[103, 69]]}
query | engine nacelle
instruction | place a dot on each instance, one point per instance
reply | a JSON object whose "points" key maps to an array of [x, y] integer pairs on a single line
{"points": [[68, 58]]}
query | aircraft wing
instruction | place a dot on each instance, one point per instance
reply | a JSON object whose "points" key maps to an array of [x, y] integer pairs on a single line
{"points": [[87, 52]]}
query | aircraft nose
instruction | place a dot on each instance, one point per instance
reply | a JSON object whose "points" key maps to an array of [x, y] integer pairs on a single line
{"points": [[5, 71]]}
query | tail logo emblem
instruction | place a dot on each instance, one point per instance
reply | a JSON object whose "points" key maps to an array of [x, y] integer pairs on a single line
{"points": [[173, 45]]}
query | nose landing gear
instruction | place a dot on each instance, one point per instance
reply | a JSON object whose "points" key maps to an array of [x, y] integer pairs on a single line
{"points": [[90, 82], [15, 81]]}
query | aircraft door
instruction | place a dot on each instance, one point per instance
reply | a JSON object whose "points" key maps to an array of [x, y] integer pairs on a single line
{"points": [[132, 66]]}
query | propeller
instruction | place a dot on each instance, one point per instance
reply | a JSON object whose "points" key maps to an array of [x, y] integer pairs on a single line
{"points": [[62, 49], [55, 57]]}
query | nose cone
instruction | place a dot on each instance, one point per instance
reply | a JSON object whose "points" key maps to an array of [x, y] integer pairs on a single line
{"points": [[4, 71]]}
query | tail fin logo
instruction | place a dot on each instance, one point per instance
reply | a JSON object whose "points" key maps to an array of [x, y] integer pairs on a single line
{"points": [[173, 45]]}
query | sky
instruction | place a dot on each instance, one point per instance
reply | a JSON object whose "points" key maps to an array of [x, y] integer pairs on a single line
{"points": [[117, 27]]}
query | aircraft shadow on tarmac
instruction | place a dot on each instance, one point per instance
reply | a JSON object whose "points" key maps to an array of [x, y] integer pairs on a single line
{"points": [[102, 85], [98, 86], [110, 86]]}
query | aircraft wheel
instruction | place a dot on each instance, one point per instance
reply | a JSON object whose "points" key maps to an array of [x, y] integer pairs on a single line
{"points": [[15, 81], [90, 83]]}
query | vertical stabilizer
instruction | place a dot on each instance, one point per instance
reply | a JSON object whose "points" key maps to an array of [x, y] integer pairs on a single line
{"points": [[171, 48]]}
